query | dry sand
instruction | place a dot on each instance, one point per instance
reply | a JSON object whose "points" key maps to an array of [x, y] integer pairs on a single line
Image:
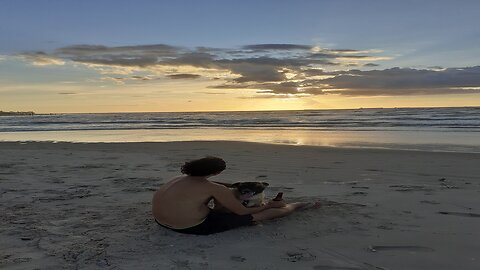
{"points": [[87, 206]]}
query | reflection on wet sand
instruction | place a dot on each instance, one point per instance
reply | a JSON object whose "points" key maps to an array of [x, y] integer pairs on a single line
{"points": [[412, 140]]}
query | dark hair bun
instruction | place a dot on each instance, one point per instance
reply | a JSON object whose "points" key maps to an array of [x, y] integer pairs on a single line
{"points": [[204, 166]]}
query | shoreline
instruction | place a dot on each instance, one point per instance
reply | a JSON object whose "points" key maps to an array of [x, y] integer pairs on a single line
{"points": [[397, 140], [324, 147], [87, 205]]}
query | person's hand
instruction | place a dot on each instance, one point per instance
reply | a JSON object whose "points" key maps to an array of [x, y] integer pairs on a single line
{"points": [[276, 204]]}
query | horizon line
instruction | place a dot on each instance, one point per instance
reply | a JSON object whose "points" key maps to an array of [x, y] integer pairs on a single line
{"points": [[232, 111]]}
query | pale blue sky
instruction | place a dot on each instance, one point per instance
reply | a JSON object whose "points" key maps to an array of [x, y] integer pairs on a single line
{"points": [[438, 32]]}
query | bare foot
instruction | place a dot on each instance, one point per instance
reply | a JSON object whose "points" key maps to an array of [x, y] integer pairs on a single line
{"points": [[297, 205]]}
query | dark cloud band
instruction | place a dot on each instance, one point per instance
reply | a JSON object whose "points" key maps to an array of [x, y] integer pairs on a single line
{"points": [[183, 76]]}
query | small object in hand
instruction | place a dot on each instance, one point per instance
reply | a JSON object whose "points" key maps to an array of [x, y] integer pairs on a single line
{"points": [[279, 197]]}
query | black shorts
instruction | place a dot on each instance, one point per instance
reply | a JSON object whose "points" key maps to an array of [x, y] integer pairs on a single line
{"points": [[217, 222]]}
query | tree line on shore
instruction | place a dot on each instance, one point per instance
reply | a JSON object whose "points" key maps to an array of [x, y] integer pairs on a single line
{"points": [[2, 113]]}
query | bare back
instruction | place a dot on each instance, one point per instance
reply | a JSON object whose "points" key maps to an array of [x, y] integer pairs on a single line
{"points": [[182, 202]]}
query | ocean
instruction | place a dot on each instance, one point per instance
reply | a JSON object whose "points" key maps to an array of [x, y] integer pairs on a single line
{"points": [[432, 129]]}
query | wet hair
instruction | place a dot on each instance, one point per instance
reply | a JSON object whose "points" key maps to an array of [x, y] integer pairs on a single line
{"points": [[204, 166]]}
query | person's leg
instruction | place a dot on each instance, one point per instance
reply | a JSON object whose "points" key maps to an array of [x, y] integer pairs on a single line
{"points": [[272, 213]]}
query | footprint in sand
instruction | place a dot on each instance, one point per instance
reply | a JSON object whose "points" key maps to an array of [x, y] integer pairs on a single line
{"points": [[359, 193], [385, 227], [360, 187], [374, 170], [22, 260], [7, 165], [429, 202], [330, 267], [296, 256], [238, 258], [406, 188], [183, 264], [460, 214], [400, 248]]}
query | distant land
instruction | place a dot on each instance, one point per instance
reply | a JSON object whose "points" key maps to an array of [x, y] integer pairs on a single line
{"points": [[2, 113]]}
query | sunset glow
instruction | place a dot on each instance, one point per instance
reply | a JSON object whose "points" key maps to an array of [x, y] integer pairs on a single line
{"points": [[321, 56]]}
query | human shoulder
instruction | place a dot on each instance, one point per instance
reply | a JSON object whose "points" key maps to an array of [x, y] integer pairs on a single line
{"points": [[213, 184], [216, 186], [219, 189]]}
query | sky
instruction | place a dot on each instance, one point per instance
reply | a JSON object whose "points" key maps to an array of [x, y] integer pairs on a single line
{"points": [[143, 56]]}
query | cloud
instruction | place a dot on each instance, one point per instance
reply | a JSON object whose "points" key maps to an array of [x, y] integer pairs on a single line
{"points": [[183, 76], [278, 88], [127, 56], [267, 47], [118, 60], [388, 82], [89, 50], [405, 81], [271, 69], [256, 70], [41, 59], [270, 56], [407, 78], [195, 59], [128, 79], [212, 93], [273, 96], [281, 88], [141, 78], [316, 72]]}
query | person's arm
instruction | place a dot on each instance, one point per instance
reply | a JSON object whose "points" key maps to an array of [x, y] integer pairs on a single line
{"points": [[226, 198]]}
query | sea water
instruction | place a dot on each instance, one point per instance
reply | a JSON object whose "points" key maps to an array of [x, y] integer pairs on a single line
{"points": [[432, 129]]}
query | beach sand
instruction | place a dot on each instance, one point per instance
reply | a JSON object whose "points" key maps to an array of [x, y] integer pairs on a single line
{"points": [[87, 206]]}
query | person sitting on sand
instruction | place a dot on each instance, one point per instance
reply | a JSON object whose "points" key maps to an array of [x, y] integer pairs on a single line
{"points": [[182, 204]]}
